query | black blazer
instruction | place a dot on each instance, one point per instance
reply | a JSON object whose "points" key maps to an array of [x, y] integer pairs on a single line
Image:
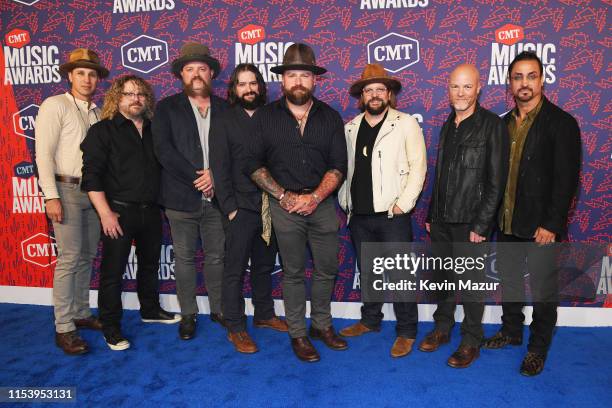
{"points": [[228, 160], [177, 146], [548, 173]]}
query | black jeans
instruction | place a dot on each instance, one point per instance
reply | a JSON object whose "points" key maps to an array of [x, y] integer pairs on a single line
{"points": [[142, 225], [443, 235], [543, 282], [380, 228], [243, 241]]}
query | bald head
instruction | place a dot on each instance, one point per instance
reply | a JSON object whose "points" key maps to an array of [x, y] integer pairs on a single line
{"points": [[463, 89]]}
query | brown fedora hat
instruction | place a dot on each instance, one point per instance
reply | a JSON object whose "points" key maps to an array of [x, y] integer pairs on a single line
{"points": [[83, 58], [192, 51], [374, 73], [299, 57]]}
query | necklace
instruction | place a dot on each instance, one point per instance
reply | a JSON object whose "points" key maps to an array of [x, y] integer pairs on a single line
{"points": [[301, 119], [86, 123]]}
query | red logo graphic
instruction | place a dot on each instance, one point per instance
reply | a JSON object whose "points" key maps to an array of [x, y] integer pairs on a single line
{"points": [[509, 34], [251, 34], [17, 38], [40, 249]]}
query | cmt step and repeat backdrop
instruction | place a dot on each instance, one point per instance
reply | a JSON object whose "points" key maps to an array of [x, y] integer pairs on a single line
{"points": [[418, 41]]}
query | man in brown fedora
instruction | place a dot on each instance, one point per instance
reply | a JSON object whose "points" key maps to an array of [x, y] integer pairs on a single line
{"points": [[182, 126], [299, 158], [386, 170], [61, 125]]}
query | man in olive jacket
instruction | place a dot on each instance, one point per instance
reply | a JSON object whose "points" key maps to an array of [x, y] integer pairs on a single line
{"points": [[468, 187]]}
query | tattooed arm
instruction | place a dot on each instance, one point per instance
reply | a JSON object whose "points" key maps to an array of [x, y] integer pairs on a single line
{"points": [[266, 182]]}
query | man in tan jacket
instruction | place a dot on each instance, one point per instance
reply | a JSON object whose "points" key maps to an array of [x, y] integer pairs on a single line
{"points": [[386, 170]]}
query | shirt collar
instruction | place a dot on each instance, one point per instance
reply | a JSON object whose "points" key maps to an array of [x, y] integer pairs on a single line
{"points": [[532, 113], [282, 103], [80, 103], [120, 120]]}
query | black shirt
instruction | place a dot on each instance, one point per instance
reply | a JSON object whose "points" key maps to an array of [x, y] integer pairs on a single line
{"points": [[228, 149], [119, 162], [298, 162], [451, 145], [361, 186]]}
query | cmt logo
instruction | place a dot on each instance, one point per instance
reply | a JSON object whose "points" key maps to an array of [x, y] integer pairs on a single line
{"points": [[27, 2], [509, 34], [23, 121], [394, 51], [144, 54], [39, 249], [23, 170], [251, 34], [17, 38]]}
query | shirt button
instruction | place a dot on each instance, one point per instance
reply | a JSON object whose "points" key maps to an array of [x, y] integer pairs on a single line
{"points": [[304, 161]]}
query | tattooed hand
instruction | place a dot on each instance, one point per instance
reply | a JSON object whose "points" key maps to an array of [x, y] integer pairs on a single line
{"points": [[289, 200], [305, 205]]}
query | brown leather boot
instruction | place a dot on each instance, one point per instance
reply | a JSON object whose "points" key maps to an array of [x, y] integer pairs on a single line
{"points": [[329, 337], [402, 346], [304, 350], [274, 323], [243, 342], [355, 330], [71, 343], [433, 341], [464, 356], [91, 322]]}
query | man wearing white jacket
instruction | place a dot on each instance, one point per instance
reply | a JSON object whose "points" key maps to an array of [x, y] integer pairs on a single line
{"points": [[386, 170]]}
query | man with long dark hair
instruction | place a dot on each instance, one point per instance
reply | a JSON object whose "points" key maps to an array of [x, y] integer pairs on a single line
{"points": [[121, 177], [240, 201]]}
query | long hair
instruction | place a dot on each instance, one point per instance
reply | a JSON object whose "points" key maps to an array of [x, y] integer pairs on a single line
{"points": [[392, 101], [113, 96], [233, 81]]}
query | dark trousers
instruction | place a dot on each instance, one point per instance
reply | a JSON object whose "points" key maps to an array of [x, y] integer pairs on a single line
{"points": [[543, 281], [243, 241], [319, 230], [443, 235], [380, 228], [144, 226]]}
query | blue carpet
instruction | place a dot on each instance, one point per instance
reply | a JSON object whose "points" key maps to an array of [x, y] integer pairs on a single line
{"points": [[161, 370]]}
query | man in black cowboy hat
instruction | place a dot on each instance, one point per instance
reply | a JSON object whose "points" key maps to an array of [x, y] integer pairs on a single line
{"points": [[380, 142], [61, 125], [182, 127], [299, 158]]}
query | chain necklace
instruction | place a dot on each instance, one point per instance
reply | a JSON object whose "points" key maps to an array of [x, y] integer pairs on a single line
{"points": [[300, 120], [86, 124]]}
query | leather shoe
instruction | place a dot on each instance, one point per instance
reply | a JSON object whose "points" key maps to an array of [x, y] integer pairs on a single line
{"points": [[187, 327], [242, 342], [433, 341], [533, 364], [355, 330], [71, 343], [90, 322], [304, 350], [329, 337], [402, 346], [463, 357], [500, 340], [218, 318], [274, 323]]}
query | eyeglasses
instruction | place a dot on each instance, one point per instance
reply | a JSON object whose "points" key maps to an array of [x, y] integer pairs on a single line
{"points": [[131, 95], [375, 91]]}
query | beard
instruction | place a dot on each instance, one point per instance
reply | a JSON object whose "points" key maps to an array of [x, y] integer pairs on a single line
{"points": [[204, 92], [376, 111], [296, 98], [257, 102], [524, 98]]}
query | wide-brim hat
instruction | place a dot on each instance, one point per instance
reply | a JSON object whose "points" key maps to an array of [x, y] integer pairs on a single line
{"points": [[83, 58], [191, 52], [374, 73], [299, 57]]}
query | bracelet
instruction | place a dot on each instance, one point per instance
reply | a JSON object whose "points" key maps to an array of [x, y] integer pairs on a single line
{"points": [[282, 195], [316, 197]]}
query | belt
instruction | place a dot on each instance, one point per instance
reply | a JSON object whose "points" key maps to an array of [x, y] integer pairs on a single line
{"points": [[142, 205], [67, 179], [303, 191]]}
